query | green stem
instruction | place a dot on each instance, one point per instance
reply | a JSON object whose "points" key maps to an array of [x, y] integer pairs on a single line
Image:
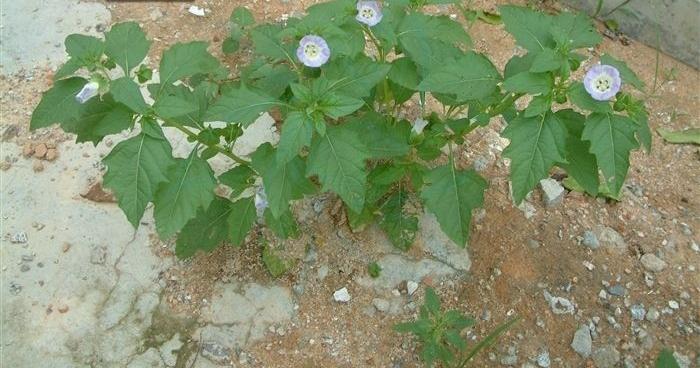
{"points": [[215, 147]]}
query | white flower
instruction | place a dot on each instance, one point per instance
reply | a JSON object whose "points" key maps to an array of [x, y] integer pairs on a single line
{"points": [[89, 91], [369, 13], [418, 125], [260, 201]]}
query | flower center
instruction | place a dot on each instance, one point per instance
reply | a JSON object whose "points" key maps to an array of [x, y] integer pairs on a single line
{"points": [[312, 50], [367, 13], [603, 83]]}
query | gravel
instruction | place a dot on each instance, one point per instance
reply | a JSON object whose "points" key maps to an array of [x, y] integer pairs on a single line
{"points": [[606, 357], [543, 359], [590, 239], [582, 343], [653, 263], [19, 238], [381, 305], [638, 312], [653, 314], [342, 295]]}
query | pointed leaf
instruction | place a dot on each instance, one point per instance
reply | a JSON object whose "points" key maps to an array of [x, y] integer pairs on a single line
{"points": [[185, 60], [612, 138], [338, 158], [452, 195], [86, 50], [127, 45], [536, 144], [530, 28], [135, 168], [190, 187], [574, 30], [527, 82], [58, 104], [297, 131], [400, 227], [240, 105], [470, 77], [99, 118], [127, 92], [627, 75], [355, 77], [238, 179], [206, 231], [683, 136], [382, 139], [241, 220]]}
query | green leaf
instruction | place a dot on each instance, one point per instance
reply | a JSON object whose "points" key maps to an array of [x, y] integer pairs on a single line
{"points": [[579, 96], [337, 106], [127, 45], [355, 76], [267, 42], [273, 79], [470, 77], [230, 45], [136, 167], [666, 360], [399, 227], [452, 195], [432, 302], [404, 73], [627, 75], [283, 182], [238, 179], [58, 104], [206, 231], [538, 106], [546, 61], [127, 92], [527, 82], [612, 139], [428, 40], [68, 69], [519, 64], [242, 17], [240, 105], [685, 136], [574, 31], [284, 227], [275, 265], [241, 220], [190, 187], [297, 131], [99, 118], [580, 163], [536, 144], [86, 50], [382, 138], [530, 28], [374, 270], [169, 106], [185, 60], [338, 158]]}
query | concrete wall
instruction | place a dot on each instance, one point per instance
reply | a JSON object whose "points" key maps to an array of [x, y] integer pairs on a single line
{"points": [[676, 21]]}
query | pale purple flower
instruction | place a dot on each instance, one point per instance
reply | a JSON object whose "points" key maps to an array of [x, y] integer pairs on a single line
{"points": [[418, 126], [313, 51], [602, 82], [90, 90], [260, 201], [369, 13]]}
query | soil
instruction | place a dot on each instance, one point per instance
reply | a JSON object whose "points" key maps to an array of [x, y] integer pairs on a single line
{"points": [[514, 259]]}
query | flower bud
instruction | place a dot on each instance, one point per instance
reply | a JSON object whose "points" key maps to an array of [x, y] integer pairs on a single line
{"points": [[90, 90]]}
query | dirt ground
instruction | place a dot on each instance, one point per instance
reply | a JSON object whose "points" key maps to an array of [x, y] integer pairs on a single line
{"points": [[514, 258]]}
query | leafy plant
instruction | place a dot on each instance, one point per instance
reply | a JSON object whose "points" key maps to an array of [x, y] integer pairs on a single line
{"points": [[440, 334], [374, 270], [339, 78], [666, 360]]}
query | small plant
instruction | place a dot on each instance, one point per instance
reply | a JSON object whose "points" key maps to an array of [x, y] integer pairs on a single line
{"points": [[666, 360], [374, 270], [339, 79], [440, 334]]}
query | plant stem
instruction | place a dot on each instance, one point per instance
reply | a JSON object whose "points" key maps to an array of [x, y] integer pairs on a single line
{"points": [[215, 147]]}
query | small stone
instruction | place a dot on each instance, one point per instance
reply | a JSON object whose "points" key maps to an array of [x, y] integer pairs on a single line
{"points": [[653, 263], [98, 255], [509, 360], [682, 360], [27, 150], [606, 357], [24, 268], [558, 304], [553, 192], [411, 287], [65, 247], [609, 237], [590, 239], [215, 352], [51, 154], [582, 342], [653, 314], [480, 163], [40, 150], [19, 238], [543, 359], [638, 312], [381, 305], [37, 166], [155, 14], [617, 290], [532, 243], [322, 273], [673, 304], [63, 309], [589, 266], [685, 295], [341, 295], [695, 247]]}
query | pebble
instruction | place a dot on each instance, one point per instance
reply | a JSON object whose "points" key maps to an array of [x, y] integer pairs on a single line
{"points": [[411, 287], [27, 258], [341, 295], [653, 314], [15, 288], [40, 150], [653, 263], [380, 304], [19, 238], [558, 304], [543, 359], [582, 342], [673, 304], [590, 239], [606, 357], [37, 166], [638, 312], [553, 192], [322, 273], [24, 268], [480, 163], [695, 247], [589, 266], [617, 290]]}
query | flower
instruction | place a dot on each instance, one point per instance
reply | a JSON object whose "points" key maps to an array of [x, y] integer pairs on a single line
{"points": [[369, 13], [90, 90], [602, 82], [313, 51], [418, 126], [260, 201]]}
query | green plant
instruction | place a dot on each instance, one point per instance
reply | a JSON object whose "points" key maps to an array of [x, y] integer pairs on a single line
{"points": [[666, 359], [440, 334], [374, 270], [339, 77]]}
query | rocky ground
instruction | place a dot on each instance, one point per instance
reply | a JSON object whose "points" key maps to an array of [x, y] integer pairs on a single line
{"points": [[596, 283]]}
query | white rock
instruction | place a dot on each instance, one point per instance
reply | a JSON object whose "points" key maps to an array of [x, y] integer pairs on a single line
{"points": [[673, 304], [552, 191], [411, 287], [195, 10], [652, 263], [341, 295]]}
